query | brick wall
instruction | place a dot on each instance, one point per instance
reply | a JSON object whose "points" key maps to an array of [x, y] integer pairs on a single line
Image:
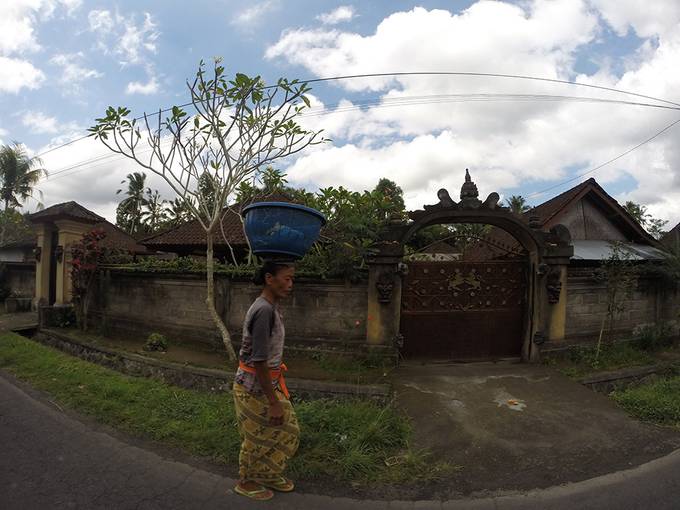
{"points": [[587, 306], [140, 303]]}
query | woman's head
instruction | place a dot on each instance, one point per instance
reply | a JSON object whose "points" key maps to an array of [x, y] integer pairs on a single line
{"points": [[276, 277]]}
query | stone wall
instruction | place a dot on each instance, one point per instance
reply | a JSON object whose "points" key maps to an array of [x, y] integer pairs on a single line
{"points": [[20, 278], [587, 306], [174, 304]]}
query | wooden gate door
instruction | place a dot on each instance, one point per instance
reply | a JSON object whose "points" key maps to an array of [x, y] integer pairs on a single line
{"points": [[464, 310]]}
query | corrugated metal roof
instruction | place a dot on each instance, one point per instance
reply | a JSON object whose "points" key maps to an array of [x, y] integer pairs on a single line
{"points": [[601, 250]]}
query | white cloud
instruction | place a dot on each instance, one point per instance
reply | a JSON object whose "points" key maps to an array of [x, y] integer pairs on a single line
{"points": [[100, 21], [16, 74], [655, 18], [39, 123], [342, 13], [148, 88], [124, 36], [254, 14], [73, 73], [507, 143], [18, 20]]}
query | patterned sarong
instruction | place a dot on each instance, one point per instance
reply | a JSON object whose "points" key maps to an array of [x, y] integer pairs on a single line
{"points": [[265, 449]]}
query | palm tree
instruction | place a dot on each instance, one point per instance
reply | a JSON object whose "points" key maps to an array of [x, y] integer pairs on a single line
{"points": [[18, 176], [517, 204], [154, 213], [178, 212], [129, 211]]}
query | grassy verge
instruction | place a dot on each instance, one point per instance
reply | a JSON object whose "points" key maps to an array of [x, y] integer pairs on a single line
{"points": [[578, 361], [658, 401], [349, 441]]}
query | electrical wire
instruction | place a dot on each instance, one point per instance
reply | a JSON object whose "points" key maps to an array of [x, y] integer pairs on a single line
{"points": [[406, 101], [657, 134], [416, 73]]}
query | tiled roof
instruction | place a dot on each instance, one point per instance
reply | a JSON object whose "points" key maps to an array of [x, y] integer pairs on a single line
{"points": [[550, 208], [192, 234], [71, 210], [672, 237], [118, 239]]}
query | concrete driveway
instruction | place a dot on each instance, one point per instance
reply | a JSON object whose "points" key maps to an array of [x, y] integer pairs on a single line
{"points": [[512, 426]]}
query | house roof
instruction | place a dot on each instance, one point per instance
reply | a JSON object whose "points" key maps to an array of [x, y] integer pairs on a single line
{"points": [[66, 210], [671, 238], [192, 234], [115, 237], [549, 212], [118, 239]]}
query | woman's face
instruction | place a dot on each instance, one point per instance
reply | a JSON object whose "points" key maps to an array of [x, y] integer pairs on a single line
{"points": [[281, 284]]}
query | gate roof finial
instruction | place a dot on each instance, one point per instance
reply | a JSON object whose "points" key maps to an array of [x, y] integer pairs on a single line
{"points": [[469, 190]]}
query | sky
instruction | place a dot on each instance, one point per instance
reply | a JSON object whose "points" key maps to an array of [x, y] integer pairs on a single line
{"points": [[62, 62]]}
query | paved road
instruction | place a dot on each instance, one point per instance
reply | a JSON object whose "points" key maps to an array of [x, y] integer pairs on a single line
{"points": [[49, 460]]}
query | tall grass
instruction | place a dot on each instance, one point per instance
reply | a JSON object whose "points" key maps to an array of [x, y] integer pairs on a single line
{"points": [[348, 441]]}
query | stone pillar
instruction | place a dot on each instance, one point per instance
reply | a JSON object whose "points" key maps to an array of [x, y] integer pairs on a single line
{"points": [[557, 299], [42, 266], [384, 304], [384, 296], [70, 232]]}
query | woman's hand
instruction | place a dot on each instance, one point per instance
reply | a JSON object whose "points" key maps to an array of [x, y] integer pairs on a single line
{"points": [[275, 414]]}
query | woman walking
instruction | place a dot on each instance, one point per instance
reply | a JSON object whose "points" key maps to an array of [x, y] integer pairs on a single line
{"points": [[266, 420]]}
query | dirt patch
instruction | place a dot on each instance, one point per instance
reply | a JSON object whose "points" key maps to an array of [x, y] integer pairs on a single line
{"points": [[520, 427]]}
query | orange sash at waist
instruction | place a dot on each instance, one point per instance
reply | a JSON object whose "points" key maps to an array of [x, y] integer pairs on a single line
{"points": [[276, 375]]}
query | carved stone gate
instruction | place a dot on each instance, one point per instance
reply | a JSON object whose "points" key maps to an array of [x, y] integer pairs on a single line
{"points": [[464, 310], [482, 314]]}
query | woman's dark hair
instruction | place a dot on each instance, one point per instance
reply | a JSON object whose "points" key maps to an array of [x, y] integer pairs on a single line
{"points": [[269, 267]]}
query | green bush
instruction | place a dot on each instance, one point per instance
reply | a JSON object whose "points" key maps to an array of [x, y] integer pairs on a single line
{"points": [[156, 342], [653, 337], [658, 401]]}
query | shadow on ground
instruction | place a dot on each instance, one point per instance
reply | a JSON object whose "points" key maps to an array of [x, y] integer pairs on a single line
{"points": [[512, 426]]}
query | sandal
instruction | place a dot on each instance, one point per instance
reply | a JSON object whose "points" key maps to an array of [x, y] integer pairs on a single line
{"points": [[260, 494], [283, 484]]}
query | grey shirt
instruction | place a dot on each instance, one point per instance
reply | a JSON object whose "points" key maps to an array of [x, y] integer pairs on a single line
{"points": [[263, 339]]}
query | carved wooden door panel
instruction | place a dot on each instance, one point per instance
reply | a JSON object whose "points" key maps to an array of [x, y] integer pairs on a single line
{"points": [[464, 310]]}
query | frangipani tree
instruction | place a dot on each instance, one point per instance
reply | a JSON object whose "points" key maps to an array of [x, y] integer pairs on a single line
{"points": [[236, 127]]}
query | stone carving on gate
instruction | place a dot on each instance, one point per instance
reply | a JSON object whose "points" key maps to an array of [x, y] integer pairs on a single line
{"points": [[385, 286], [554, 286], [469, 199]]}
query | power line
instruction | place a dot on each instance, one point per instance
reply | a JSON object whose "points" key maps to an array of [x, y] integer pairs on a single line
{"points": [[418, 73], [659, 133], [409, 101]]}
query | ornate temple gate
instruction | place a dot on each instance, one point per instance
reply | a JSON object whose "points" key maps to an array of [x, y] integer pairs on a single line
{"points": [[502, 308], [464, 310]]}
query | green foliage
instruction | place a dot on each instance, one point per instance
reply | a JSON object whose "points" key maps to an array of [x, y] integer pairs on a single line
{"points": [[19, 174], [156, 342], [652, 337], [639, 212], [154, 215], [86, 257], [129, 210], [579, 361], [348, 441], [619, 275], [657, 401], [517, 204], [355, 221], [191, 265], [15, 226]]}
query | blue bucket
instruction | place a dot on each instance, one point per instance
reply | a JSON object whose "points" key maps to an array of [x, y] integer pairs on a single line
{"points": [[277, 229]]}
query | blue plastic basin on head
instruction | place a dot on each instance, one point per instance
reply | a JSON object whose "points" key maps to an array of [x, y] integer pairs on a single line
{"points": [[280, 228]]}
